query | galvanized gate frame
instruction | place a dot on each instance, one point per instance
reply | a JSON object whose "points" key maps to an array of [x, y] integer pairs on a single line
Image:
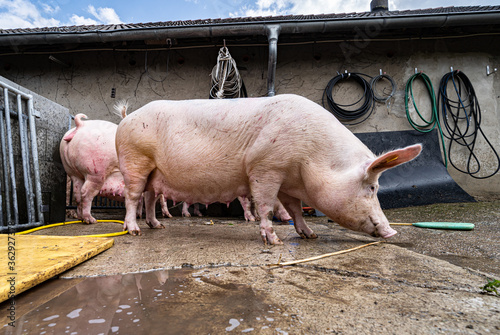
{"points": [[29, 153]]}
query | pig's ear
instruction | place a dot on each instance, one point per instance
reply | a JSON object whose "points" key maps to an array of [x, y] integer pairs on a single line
{"points": [[394, 158]]}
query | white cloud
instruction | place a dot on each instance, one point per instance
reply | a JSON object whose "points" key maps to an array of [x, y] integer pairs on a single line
{"points": [[49, 9], [76, 20], [22, 14], [104, 15], [25, 14], [284, 7]]}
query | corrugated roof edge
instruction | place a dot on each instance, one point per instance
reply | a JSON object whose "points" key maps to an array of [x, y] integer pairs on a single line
{"points": [[251, 20]]}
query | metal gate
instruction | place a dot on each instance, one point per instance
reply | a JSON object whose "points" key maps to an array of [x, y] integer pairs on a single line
{"points": [[21, 197]]}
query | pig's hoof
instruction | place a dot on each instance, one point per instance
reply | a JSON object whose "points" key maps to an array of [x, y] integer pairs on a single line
{"points": [[90, 220], [187, 215], [311, 236], [155, 225], [135, 232], [270, 237], [167, 215], [250, 218]]}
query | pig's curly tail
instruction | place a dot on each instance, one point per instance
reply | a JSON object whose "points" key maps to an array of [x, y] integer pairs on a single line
{"points": [[121, 108], [79, 123], [78, 119]]}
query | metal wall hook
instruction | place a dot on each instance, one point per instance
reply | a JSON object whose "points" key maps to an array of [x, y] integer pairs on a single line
{"points": [[488, 72]]}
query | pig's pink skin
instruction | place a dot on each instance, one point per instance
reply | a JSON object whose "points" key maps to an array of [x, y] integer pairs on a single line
{"points": [[89, 157], [284, 146], [88, 154]]}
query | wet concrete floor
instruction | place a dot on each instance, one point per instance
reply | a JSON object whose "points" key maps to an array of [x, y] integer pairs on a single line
{"points": [[197, 278]]}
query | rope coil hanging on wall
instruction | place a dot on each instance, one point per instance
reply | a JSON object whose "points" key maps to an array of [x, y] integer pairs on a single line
{"points": [[226, 79], [461, 116]]}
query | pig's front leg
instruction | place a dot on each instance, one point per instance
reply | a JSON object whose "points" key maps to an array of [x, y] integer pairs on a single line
{"points": [[150, 202], [294, 208], [196, 209], [264, 193], [246, 203], [281, 213]]}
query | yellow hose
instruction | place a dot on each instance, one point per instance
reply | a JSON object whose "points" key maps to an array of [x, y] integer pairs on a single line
{"points": [[70, 222]]}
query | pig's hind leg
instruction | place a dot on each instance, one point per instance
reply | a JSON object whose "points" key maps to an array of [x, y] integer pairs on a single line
{"points": [[90, 189], [185, 210], [135, 169], [150, 202], [77, 192], [294, 208]]}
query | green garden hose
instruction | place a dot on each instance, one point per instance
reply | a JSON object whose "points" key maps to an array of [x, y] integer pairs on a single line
{"points": [[428, 125]]}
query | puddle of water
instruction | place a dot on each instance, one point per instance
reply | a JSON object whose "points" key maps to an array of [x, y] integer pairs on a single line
{"points": [[159, 302]]}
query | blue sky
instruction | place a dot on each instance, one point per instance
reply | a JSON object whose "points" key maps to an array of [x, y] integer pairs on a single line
{"points": [[49, 13]]}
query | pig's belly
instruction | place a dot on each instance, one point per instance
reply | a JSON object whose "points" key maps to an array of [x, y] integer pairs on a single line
{"points": [[200, 187], [113, 187]]}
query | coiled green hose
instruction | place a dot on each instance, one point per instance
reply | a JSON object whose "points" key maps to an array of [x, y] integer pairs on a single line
{"points": [[427, 125]]}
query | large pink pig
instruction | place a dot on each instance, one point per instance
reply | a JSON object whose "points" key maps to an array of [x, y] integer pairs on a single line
{"points": [[284, 147], [88, 154]]}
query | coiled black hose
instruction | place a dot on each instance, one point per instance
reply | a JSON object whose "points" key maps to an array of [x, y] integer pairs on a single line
{"points": [[461, 118], [345, 114], [373, 84]]}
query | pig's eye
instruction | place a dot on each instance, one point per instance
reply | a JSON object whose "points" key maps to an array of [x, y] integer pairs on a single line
{"points": [[373, 188]]}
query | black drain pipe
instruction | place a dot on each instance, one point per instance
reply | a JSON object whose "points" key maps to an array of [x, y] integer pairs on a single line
{"points": [[272, 36]]}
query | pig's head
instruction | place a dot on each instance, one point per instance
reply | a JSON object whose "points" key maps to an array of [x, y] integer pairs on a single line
{"points": [[356, 205]]}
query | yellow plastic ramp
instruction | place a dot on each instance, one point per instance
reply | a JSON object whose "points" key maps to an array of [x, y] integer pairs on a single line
{"points": [[28, 260]]}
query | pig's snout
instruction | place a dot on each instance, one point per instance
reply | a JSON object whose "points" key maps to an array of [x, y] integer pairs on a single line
{"points": [[378, 227], [383, 230]]}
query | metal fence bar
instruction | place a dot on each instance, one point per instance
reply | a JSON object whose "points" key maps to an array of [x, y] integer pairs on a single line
{"points": [[5, 172], [30, 179], [4, 159], [34, 153], [11, 158], [25, 161]]}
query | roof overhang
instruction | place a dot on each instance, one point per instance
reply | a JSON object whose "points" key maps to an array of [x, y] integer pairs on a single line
{"points": [[371, 25]]}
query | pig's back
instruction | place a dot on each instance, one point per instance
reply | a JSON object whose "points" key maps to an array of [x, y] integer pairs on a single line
{"points": [[227, 124], [212, 146]]}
